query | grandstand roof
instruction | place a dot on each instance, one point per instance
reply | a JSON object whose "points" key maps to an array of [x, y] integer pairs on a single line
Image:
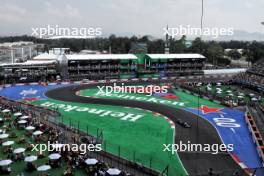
{"points": [[15, 44], [175, 56], [101, 56], [30, 63], [46, 56]]}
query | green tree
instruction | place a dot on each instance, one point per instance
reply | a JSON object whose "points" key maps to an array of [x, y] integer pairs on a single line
{"points": [[215, 53], [178, 46], [234, 54], [198, 46]]}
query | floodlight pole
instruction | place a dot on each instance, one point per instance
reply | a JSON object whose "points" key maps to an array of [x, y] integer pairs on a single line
{"points": [[197, 127], [198, 102]]}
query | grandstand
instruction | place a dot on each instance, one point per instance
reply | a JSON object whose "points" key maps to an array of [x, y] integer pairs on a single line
{"points": [[175, 64], [106, 66], [29, 71], [257, 68], [102, 66], [253, 78]]}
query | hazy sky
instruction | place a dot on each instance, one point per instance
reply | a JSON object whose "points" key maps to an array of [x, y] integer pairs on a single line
{"points": [[129, 16]]}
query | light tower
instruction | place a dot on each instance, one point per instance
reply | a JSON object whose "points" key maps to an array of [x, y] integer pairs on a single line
{"points": [[167, 43]]}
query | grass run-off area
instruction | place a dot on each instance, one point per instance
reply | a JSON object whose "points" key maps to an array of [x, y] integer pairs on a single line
{"points": [[140, 140]]}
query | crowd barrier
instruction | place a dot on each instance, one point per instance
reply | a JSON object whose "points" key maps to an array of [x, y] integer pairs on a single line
{"points": [[165, 79]]}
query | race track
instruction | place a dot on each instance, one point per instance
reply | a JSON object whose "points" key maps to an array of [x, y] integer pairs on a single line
{"points": [[201, 133]]}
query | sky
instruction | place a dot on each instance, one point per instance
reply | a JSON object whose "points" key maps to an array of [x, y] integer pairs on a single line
{"points": [[126, 17]]}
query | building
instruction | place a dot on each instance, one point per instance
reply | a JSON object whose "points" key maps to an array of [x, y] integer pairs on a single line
{"points": [[105, 66], [18, 51]]}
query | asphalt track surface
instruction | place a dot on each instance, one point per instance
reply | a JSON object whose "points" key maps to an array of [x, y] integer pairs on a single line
{"points": [[201, 132]]}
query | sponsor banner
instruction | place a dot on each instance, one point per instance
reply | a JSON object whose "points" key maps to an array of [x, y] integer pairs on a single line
{"points": [[166, 95], [131, 117], [142, 98], [26, 92]]}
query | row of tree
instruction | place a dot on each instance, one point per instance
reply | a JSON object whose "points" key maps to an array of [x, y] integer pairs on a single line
{"points": [[213, 50]]}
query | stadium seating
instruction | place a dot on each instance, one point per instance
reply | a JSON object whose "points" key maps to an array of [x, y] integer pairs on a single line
{"points": [[258, 68], [253, 78]]}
